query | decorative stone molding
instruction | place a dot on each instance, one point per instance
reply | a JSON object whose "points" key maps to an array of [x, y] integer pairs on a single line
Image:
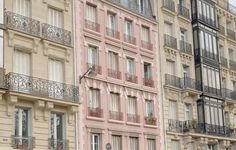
{"points": [[38, 107], [48, 107], [71, 112], [224, 72], [232, 75], [11, 38], [45, 48], [11, 101], [173, 95], [186, 58], [171, 54]]}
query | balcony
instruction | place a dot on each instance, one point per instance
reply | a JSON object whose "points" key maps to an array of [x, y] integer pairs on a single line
{"points": [[183, 11], [129, 39], [185, 47], [131, 78], [169, 4], [221, 29], [189, 83], [58, 144], [96, 68], [170, 41], [22, 23], [148, 82], [25, 143], [114, 73], [172, 80], [227, 6], [133, 118], [227, 93], [116, 115], [146, 45], [55, 34], [231, 34], [209, 21], [232, 65], [224, 62], [211, 90], [41, 87], [210, 55], [113, 33], [92, 25], [95, 112], [151, 121]]}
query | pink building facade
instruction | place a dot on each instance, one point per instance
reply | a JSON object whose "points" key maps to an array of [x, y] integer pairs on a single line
{"points": [[119, 105]]}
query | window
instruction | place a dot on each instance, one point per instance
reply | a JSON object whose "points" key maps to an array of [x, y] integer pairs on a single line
{"points": [[211, 78], [94, 98], [151, 144], [130, 66], [1, 12], [175, 145], [183, 35], [22, 125], [132, 105], [95, 141], [111, 21], [149, 107], [170, 67], [141, 6], [186, 71], [116, 142], [22, 7], [91, 13], [1, 48], [55, 17], [168, 29], [206, 12], [128, 28], [188, 112], [93, 55], [133, 143], [172, 110], [231, 54], [147, 70], [55, 71], [113, 61], [114, 102], [145, 34], [212, 147], [22, 63]]}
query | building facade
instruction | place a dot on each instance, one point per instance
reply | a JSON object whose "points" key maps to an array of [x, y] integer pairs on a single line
{"points": [[118, 40], [39, 98]]}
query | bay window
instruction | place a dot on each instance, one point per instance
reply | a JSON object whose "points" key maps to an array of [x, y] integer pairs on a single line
{"points": [[206, 12]]}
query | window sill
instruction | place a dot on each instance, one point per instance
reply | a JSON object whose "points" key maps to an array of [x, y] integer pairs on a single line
{"points": [[133, 124], [95, 118], [116, 121], [150, 126]]}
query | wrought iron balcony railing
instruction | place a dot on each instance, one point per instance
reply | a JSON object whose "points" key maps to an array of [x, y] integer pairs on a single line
{"points": [[170, 41], [96, 68], [151, 121], [95, 112], [55, 34], [212, 90], [41, 87], [189, 83], [232, 64], [210, 55], [148, 81], [231, 34], [114, 73], [227, 6], [133, 118], [169, 4], [185, 47], [26, 143], [22, 23], [224, 62], [92, 25], [204, 19], [131, 78], [113, 33], [172, 80], [58, 144], [129, 39], [146, 45], [221, 29], [116, 115], [183, 11], [227, 93]]}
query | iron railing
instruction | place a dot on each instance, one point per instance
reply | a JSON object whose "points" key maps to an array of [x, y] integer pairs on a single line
{"points": [[170, 41], [232, 64], [189, 83], [92, 25], [133, 118], [169, 4], [185, 47], [204, 19], [183, 11], [227, 6], [114, 73], [116, 115], [231, 34], [148, 81], [146, 45], [55, 34], [113, 33], [26, 143], [210, 55], [151, 121], [95, 112], [221, 29], [212, 90], [131, 78], [172, 80], [224, 62], [41, 87], [227, 93], [58, 144], [95, 67], [129, 39], [22, 23]]}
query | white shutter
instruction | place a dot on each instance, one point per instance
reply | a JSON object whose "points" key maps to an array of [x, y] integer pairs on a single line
{"points": [[22, 7], [151, 144], [133, 143], [111, 21], [21, 63], [116, 142], [55, 17], [168, 29], [132, 106], [55, 70], [170, 67], [91, 13], [172, 110], [114, 103], [145, 34]]}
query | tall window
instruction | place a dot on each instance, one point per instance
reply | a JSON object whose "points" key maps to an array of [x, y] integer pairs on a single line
{"points": [[1, 47], [149, 107], [91, 13], [114, 102], [94, 98], [132, 105], [172, 110], [22, 125], [170, 67], [133, 143], [207, 11], [128, 28], [175, 145], [55, 17], [151, 144], [147, 70], [186, 71], [116, 142], [188, 112], [56, 130], [168, 29], [145, 34], [130, 66], [93, 55], [113, 61], [111, 21], [212, 147], [183, 35], [22, 63], [55, 70], [22, 7], [211, 77], [95, 141]]}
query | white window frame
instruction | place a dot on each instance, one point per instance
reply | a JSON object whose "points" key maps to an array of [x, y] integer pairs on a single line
{"points": [[93, 143]]}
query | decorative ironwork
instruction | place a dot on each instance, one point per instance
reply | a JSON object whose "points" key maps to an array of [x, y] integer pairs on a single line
{"points": [[129, 39], [41, 87], [212, 90], [96, 68], [131, 78], [95, 112], [227, 6], [232, 64], [172, 80], [26, 143], [189, 83], [204, 19], [114, 73], [146, 45], [113, 33], [148, 82], [227, 93], [22, 23], [58, 144], [133, 118], [231, 34], [169, 4], [56, 34], [183, 11], [224, 62], [116, 115], [185, 47], [170, 41], [151, 121], [92, 25]]}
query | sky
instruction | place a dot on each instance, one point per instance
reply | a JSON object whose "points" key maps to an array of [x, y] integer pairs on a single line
{"points": [[233, 2]]}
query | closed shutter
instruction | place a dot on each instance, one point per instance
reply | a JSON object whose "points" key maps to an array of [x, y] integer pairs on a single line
{"points": [[56, 70], [22, 63], [91, 13], [22, 7], [151, 144], [116, 142], [55, 17], [114, 103], [145, 34], [132, 105], [133, 143], [94, 98], [168, 29], [172, 110], [111, 21]]}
